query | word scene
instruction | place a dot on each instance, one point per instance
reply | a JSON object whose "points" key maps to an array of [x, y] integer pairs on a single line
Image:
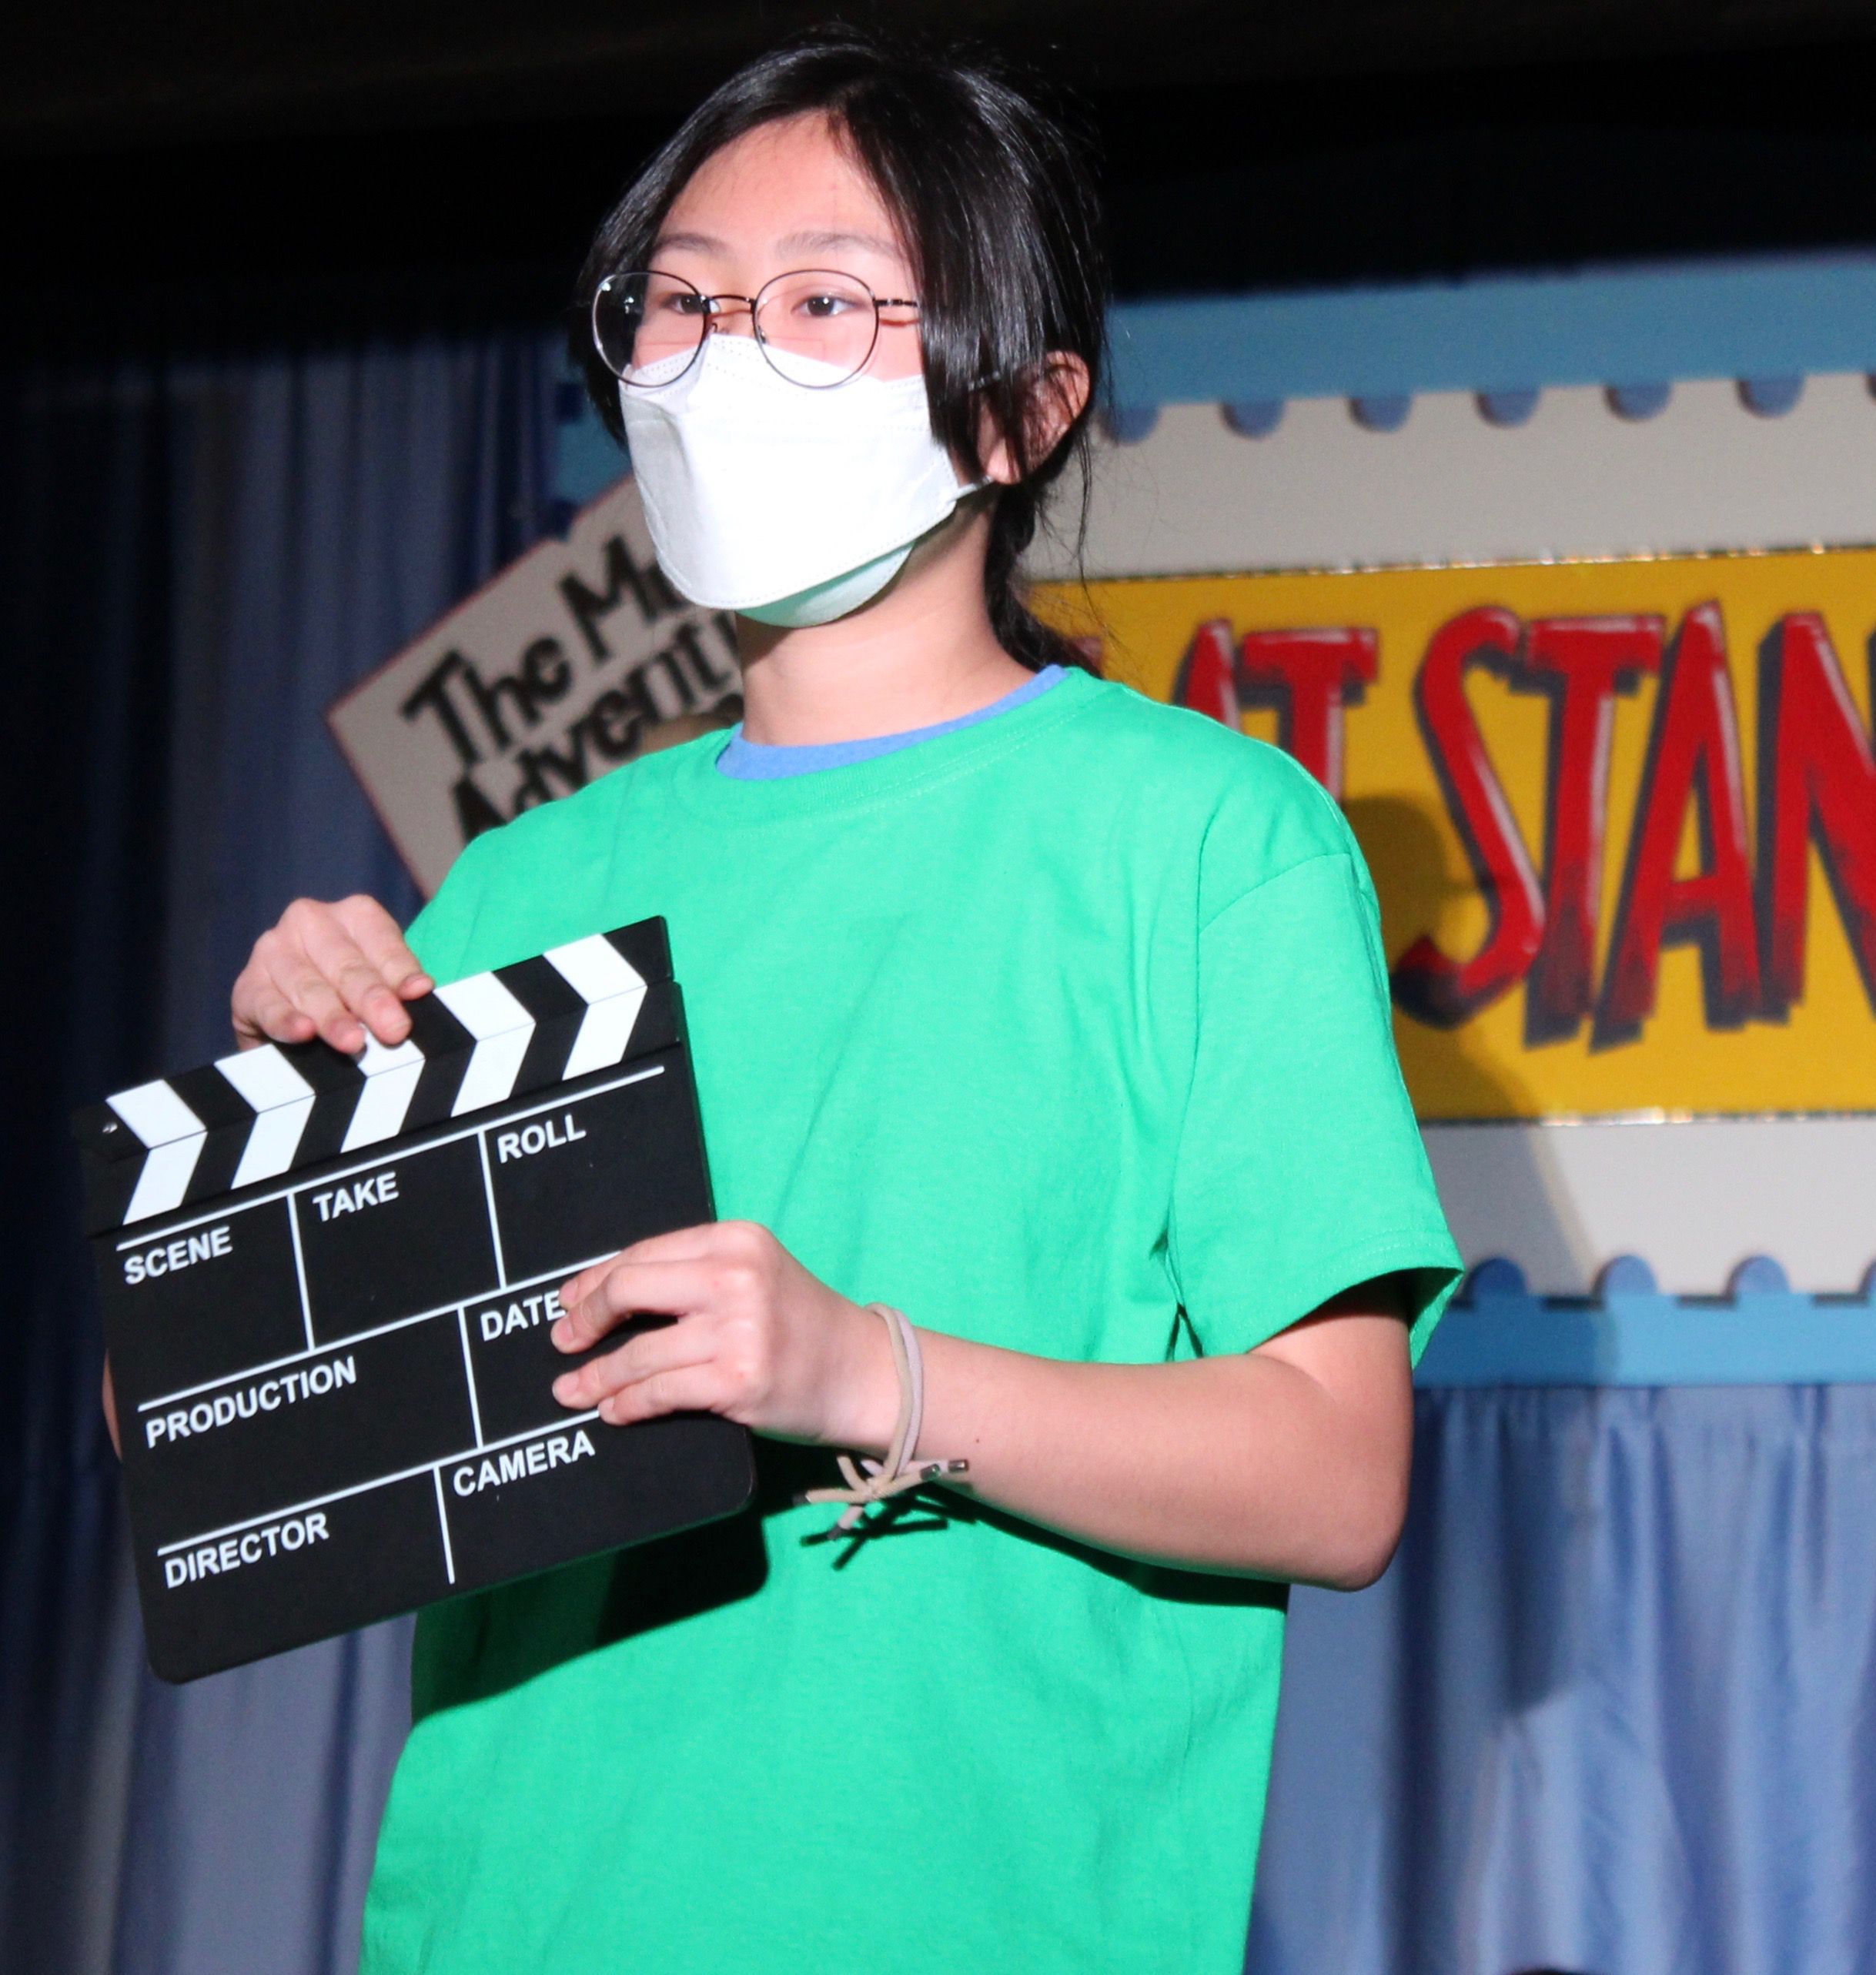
{"points": [[169, 1256]]}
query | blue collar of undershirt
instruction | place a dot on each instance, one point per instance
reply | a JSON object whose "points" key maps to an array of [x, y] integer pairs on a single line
{"points": [[756, 761]]}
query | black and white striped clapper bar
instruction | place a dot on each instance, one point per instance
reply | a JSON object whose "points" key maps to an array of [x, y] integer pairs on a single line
{"points": [[328, 1284]]}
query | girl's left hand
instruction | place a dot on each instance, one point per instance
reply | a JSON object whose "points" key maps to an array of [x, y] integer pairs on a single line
{"points": [[757, 1339]]}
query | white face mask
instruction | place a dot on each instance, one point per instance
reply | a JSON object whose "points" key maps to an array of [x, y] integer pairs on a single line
{"points": [[791, 504]]}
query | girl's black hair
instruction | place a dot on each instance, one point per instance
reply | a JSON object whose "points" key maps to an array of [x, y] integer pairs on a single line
{"points": [[994, 199]]}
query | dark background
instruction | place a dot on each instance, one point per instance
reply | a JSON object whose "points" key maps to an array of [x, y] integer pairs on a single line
{"points": [[199, 173], [179, 176]]}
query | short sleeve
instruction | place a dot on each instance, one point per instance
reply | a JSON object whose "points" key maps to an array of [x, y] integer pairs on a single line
{"points": [[1300, 1170], [441, 934]]}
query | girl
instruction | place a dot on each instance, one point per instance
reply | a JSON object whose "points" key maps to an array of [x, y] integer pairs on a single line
{"points": [[1055, 1018]]}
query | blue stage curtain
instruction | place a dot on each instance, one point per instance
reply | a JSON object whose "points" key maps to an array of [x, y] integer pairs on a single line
{"points": [[1610, 1709], [195, 558]]}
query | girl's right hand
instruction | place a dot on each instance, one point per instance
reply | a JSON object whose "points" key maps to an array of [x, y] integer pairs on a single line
{"points": [[326, 970], [334, 970]]}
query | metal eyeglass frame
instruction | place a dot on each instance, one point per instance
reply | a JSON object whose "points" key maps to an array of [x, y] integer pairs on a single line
{"points": [[753, 303]]}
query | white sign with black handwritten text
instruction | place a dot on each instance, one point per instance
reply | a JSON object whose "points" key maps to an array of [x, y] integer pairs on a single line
{"points": [[570, 660]]}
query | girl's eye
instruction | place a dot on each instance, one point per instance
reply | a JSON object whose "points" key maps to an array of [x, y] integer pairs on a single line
{"points": [[686, 305], [823, 308]]}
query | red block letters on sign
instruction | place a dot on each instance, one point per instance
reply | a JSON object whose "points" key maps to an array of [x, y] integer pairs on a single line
{"points": [[1311, 675], [1582, 663], [1817, 779], [1693, 761], [1207, 678], [1428, 983]]}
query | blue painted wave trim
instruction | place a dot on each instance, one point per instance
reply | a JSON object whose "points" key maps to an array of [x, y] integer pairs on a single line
{"points": [[1757, 319], [1761, 1333], [1511, 407]]}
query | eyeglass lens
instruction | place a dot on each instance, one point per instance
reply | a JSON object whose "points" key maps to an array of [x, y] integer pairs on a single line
{"points": [[817, 327]]}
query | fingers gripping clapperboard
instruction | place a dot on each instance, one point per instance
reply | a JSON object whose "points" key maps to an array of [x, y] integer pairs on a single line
{"points": [[328, 1286]]}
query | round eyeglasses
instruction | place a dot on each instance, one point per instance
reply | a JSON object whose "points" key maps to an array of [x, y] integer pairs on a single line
{"points": [[818, 328]]}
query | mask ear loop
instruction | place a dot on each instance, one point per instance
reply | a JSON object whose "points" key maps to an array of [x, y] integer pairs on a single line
{"points": [[869, 1481]]}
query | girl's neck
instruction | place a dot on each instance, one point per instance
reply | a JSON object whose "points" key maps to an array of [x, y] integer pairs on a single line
{"points": [[922, 652]]}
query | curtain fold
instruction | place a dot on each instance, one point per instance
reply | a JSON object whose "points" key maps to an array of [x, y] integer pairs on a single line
{"points": [[1609, 1711], [195, 558]]}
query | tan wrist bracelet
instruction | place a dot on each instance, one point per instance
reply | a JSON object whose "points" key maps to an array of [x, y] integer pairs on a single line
{"points": [[869, 1481]]}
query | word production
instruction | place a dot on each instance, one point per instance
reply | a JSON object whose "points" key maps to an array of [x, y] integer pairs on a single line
{"points": [[329, 1284]]}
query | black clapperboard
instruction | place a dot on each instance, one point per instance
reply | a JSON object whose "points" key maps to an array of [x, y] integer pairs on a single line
{"points": [[328, 1286]]}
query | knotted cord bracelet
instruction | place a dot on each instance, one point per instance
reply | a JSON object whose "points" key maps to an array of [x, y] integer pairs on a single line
{"points": [[867, 1481]]}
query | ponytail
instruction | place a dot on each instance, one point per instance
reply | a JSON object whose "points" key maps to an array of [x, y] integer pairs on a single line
{"points": [[1018, 630]]}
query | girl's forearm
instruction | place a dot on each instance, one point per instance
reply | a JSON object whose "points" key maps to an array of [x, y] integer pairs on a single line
{"points": [[1289, 1462]]}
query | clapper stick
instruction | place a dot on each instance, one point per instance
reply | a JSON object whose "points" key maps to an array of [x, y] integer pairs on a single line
{"points": [[328, 1284]]}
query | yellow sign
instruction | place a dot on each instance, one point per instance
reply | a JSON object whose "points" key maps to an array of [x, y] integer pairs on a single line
{"points": [[1621, 815]]}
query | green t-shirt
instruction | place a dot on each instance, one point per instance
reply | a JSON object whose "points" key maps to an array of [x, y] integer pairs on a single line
{"points": [[1045, 1031]]}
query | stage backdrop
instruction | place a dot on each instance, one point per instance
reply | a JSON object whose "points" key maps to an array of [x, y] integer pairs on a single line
{"points": [[1621, 814], [1594, 1716], [1564, 581]]}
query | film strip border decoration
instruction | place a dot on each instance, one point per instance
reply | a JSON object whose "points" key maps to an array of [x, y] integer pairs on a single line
{"points": [[258, 1113], [1761, 1332]]}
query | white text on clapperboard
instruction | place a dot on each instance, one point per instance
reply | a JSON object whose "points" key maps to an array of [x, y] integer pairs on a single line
{"points": [[265, 1395]]}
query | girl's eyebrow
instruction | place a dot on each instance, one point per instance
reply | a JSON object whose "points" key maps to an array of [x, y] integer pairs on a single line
{"points": [[822, 242], [814, 241], [693, 243]]}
